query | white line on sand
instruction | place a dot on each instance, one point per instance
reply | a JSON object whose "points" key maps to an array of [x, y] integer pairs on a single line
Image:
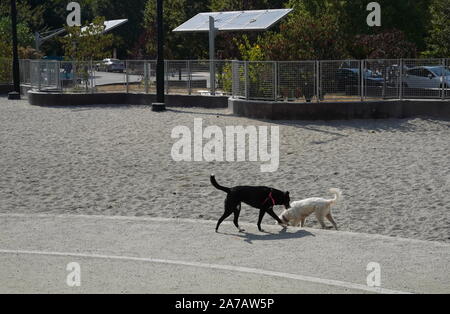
{"points": [[328, 282]]}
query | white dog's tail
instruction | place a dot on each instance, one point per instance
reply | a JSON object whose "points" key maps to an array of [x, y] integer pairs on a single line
{"points": [[337, 195]]}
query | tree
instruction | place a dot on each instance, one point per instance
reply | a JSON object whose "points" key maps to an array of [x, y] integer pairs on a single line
{"points": [[408, 16], [177, 46], [439, 36], [27, 13], [25, 37], [89, 43], [237, 5], [133, 10], [305, 37], [386, 45]]}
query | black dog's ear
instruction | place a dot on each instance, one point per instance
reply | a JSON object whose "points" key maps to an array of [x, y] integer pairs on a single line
{"points": [[287, 193]]}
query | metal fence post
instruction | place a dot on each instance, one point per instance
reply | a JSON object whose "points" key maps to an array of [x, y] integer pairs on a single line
{"points": [[275, 80], [39, 74], [86, 77], [145, 77], [247, 93], [317, 80], [92, 75], [58, 76], [212, 77], [401, 79], [166, 71], [126, 77], [362, 73], [443, 80], [189, 77], [446, 82], [234, 78]]}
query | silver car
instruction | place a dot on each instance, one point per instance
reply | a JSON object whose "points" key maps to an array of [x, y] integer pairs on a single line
{"points": [[427, 77]]}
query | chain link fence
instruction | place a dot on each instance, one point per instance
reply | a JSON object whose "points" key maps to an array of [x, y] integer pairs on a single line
{"points": [[302, 81], [296, 81], [382, 79]]}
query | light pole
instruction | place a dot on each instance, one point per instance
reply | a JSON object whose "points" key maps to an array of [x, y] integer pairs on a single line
{"points": [[159, 105], [16, 74]]}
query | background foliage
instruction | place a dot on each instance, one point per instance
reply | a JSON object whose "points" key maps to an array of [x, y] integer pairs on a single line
{"points": [[317, 29]]}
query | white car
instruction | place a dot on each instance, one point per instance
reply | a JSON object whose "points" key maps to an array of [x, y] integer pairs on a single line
{"points": [[427, 77], [111, 65]]}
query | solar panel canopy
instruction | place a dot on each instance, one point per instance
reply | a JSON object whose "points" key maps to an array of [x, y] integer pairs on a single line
{"points": [[253, 20], [110, 25]]}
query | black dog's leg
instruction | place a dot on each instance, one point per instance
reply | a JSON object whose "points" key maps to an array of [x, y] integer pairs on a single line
{"points": [[274, 216], [228, 211], [237, 211], [224, 216], [261, 215]]}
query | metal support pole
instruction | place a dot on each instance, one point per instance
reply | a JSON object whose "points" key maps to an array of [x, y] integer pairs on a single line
{"points": [[212, 67]]}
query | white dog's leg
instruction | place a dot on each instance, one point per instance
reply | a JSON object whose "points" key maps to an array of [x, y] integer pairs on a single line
{"points": [[321, 220], [330, 218]]}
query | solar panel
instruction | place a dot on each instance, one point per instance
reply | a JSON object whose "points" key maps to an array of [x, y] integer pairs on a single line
{"points": [[110, 25], [255, 20]]}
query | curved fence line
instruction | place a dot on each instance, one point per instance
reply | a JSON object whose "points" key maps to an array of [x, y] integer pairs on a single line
{"points": [[286, 81]]}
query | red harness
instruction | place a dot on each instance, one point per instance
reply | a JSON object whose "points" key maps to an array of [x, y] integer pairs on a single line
{"points": [[270, 197]]}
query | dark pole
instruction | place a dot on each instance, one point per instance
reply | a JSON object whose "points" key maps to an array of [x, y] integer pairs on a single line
{"points": [[159, 105], [16, 73]]}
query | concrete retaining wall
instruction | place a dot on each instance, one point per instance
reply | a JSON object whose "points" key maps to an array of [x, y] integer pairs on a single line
{"points": [[6, 88], [340, 110], [260, 109], [58, 99]]}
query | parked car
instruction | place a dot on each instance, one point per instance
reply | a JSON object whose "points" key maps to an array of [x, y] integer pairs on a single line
{"points": [[427, 77], [111, 65], [350, 77]]}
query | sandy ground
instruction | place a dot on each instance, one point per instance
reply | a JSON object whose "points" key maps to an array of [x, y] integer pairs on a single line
{"points": [[395, 174]]}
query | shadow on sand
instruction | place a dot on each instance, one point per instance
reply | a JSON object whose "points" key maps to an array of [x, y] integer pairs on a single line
{"points": [[268, 236], [374, 125]]}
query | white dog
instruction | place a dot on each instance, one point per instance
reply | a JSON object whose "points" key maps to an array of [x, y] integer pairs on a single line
{"points": [[321, 207]]}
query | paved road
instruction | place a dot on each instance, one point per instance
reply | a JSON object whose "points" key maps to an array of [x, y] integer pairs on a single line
{"points": [[155, 255], [107, 78]]}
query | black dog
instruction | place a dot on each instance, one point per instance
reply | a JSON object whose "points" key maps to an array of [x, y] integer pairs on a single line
{"points": [[261, 197]]}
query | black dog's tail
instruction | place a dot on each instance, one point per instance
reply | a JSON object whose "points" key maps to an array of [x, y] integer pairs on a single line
{"points": [[217, 186]]}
